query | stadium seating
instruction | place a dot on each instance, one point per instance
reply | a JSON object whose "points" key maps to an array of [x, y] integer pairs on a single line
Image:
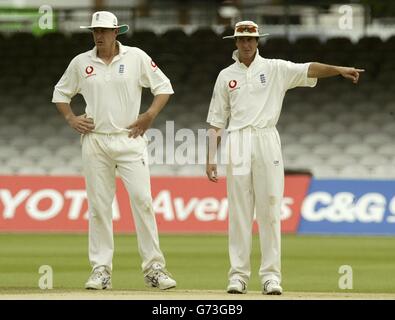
{"points": [[334, 130], [354, 171]]}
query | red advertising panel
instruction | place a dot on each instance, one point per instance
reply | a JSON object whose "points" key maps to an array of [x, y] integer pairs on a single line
{"points": [[181, 204], [43, 204]]}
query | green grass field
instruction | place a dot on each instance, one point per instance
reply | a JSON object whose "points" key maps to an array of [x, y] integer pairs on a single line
{"points": [[309, 263]]}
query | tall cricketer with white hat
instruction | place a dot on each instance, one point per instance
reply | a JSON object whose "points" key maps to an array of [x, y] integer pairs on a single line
{"points": [[248, 95], [110, 77]]}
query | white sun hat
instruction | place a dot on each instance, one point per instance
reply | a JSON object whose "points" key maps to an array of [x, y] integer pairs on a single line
{"points": [[106, 19], [246, 29]]}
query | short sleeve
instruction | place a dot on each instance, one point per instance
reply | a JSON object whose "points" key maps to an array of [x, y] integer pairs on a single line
{"points": [[219, 109], [68, 85], [152, 77], [295, 75]]}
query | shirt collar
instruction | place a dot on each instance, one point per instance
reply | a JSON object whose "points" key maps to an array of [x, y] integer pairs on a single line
{"points": [[122, 52], [235, 56]]}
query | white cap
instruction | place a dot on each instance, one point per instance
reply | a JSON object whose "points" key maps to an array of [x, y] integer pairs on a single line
{"points": [[106, 19], [246, 29]]}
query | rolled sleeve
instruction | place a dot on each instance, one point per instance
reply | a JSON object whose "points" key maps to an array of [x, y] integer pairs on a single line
{"points": [[295, 75], [219, 109], [163, 88], [68, 85], [152, 77]]}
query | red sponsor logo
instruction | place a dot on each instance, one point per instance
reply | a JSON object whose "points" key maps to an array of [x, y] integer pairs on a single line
{"points": [[183, 204], [89, 69], [232, 84]]}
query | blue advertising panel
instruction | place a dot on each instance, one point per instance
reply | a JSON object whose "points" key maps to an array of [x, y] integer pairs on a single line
{"points": [[349, 207]]}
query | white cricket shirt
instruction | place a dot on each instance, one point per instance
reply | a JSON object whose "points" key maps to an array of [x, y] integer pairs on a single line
{"points": [[112, 92], [253, 96]]}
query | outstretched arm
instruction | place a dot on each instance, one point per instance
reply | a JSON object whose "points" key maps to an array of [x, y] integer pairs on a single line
{"points": [[320, 70]]}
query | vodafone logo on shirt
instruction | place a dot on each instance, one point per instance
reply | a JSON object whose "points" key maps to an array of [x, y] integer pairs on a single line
{"points": [[89, 71], [232, 84], [154, 65]]}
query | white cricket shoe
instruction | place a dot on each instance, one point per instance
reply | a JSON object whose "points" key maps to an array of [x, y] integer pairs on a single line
{"points": [[237, 286], [159, 277], [100, 279], [272, 287]]}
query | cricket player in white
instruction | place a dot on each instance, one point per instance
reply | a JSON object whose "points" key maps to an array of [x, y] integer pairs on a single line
{"points": [[249, 94], [110, 78]]}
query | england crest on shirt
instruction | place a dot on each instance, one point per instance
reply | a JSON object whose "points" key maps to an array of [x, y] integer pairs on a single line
{"points": [[262, 78], [121, 68]]}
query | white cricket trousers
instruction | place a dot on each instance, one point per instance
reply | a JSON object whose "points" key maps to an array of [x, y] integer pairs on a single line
{"points": [[255, 184], [102, 154]]}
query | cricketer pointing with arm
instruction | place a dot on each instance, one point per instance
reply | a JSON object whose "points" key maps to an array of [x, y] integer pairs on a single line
{"points": [[249, 94]]}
